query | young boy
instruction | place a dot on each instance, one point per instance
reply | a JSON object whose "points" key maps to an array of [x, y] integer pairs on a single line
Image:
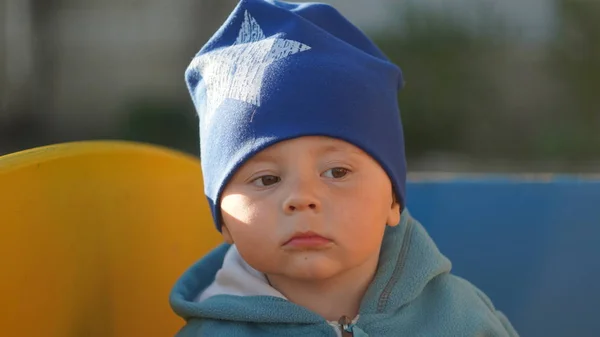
{"points": [[303, 162]]}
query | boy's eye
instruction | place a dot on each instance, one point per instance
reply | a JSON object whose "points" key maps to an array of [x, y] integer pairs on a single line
{"points": [[266, 180], [336, 172]]}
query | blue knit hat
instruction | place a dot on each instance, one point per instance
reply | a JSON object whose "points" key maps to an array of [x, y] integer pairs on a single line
{"points": [[278, 70]]}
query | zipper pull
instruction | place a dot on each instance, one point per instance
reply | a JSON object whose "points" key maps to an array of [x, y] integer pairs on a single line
{"points": [[350, 329], [344, 323]]}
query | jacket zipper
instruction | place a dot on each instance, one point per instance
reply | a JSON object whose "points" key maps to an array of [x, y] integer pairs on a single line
{"points": [[344, 323]]}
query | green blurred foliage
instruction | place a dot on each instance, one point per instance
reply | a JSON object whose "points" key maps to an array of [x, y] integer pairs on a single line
{"points": [[575, 59], [466, 92], [161, 122]]}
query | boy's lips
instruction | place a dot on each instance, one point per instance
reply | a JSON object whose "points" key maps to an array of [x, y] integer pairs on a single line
{"points": [[307, 240]]}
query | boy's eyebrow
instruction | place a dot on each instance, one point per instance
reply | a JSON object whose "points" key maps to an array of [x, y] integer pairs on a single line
{"points": [[263, 158], [336, 148], [273, 158]]}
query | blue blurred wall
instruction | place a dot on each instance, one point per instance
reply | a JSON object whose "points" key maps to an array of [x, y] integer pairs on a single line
{"points": [[532, 246]]}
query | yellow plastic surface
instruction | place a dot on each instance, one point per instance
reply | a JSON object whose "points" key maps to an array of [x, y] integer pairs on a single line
{"points": [[94, 234]]}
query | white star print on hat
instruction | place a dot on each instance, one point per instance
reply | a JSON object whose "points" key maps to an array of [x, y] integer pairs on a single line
{"points": [[237, 71]]}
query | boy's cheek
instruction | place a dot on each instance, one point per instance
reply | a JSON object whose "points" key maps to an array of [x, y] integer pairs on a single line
{"points": [[234, 207], [247, 221]]}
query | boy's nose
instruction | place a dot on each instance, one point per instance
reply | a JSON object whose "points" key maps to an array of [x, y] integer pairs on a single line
{"points": [[301, 199]]}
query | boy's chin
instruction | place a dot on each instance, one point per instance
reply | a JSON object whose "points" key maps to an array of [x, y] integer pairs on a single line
{"points": [[311, 267]]}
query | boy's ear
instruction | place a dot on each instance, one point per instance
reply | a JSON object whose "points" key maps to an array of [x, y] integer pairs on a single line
{"points": [[394, 215], [226, 235]]}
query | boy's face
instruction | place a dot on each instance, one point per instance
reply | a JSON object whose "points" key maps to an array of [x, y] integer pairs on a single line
{"points": [[317, 185]]}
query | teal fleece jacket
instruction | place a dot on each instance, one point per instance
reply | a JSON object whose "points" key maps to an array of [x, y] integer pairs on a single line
{"points": [[412, 294]]}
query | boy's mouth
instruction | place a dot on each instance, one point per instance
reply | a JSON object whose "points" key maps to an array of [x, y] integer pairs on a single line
{"points": [[307, 240]]}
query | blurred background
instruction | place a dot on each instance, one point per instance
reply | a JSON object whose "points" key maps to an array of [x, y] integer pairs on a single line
{"points": [[490, 85]]}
